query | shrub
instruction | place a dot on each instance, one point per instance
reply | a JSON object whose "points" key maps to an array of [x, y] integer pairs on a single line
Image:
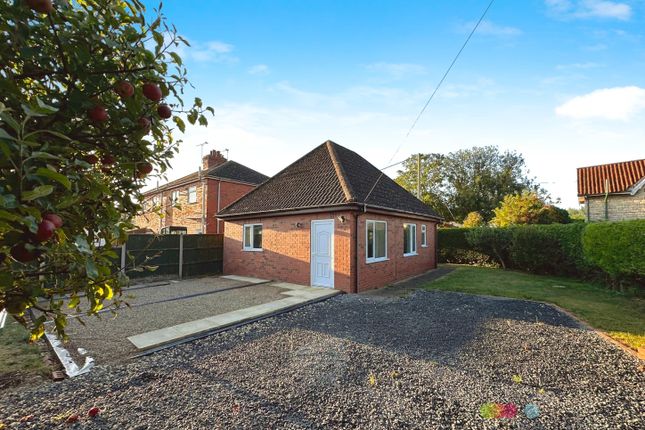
{"points": [[493, 242], [618, 248], [454, 248], [474, 219]]}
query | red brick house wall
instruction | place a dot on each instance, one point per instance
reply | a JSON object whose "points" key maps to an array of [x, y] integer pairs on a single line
{"points": [[228, 192], [285, 254], [397, 266], [286, 249]]}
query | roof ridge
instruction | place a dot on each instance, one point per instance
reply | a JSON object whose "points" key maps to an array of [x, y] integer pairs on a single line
{"points": [[340, 172]]}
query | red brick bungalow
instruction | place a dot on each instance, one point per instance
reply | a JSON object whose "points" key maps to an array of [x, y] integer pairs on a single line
{"points": [[322, 221]]}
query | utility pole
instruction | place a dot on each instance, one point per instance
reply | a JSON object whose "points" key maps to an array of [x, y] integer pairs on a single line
{"points": [[201, 180], [419, 176]]}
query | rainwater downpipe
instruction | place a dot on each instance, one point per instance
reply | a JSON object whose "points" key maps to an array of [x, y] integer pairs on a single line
{"points": [[606, 198], [219, 183], [357, 253]]}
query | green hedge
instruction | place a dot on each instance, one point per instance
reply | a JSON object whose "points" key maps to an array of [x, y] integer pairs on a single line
{"points": [[618, 248], [615, 250], [454, 248]]}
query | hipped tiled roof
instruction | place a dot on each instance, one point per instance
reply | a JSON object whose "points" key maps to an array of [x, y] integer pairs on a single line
{"points": [[612, 178], [229, 170], [330, 175]]}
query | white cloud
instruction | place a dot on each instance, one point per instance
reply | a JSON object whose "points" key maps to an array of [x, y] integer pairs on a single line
{"points": [[491, 29], [209, 51], [259, 69], [578, 66], [396, 70], [590, 9], [619, 103]]}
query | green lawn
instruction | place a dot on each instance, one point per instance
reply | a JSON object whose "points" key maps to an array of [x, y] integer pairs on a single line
{"points": [[20, 361], [622, 316]]}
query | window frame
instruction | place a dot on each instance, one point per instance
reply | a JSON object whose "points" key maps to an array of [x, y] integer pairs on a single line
{"points": [[374, 259], [424, 236], [174, 197], [194, 188], [413, 241], [251, 248]]}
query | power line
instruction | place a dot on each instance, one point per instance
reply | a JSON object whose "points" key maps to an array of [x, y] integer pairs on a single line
{"points": [[450, 67], [443, 78]]}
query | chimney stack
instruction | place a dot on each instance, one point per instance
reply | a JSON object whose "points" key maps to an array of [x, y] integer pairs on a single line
{"points": [[212, 159]]}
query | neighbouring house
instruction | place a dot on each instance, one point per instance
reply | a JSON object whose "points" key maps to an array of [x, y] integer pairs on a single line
{"points": [[613, 192], [190, 204], [330, 219]]}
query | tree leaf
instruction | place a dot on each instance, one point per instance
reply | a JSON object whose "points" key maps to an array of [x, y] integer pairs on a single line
{"points": [[40, 191], [58, 177], [90, 268]]}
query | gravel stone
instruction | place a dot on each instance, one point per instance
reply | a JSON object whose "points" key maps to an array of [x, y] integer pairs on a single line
{"points": [[428, 361]]}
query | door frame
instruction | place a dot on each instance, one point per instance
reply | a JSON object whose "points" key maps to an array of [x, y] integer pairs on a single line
{"points": [[311, 248]]}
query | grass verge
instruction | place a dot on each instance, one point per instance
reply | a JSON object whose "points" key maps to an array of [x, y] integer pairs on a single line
{"points": [[20, 361], [620, 315]]}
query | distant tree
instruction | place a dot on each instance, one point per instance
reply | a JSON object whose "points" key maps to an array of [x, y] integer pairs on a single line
{"points": [[474, 219], [553, 215], [577, 214], [475, 179], [527, 208]]}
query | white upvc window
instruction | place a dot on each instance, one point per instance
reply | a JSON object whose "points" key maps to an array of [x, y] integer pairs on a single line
{"points": [[409, 239], [174, 197], [424, 236], [252, 237], [376, 241], [192, 195]]}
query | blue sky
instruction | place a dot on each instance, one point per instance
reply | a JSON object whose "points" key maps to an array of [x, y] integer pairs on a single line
{"points": [[560, 81]]}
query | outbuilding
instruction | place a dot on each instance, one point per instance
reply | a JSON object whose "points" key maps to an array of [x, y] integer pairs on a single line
{"points": [[330, 219]]}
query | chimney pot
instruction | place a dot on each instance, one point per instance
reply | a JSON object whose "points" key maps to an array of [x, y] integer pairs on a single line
{"points": [[212, 159]]}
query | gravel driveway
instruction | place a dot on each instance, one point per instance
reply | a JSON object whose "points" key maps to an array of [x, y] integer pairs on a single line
{"points": [[428, 361]]}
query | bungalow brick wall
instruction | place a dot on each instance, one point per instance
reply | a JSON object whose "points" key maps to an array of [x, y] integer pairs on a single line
{"points": [[189, 214], [397, 266], [286, 250], [620, 207]]}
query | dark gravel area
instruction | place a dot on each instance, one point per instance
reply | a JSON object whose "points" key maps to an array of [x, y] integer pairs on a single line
{"points": [[425, 362]]}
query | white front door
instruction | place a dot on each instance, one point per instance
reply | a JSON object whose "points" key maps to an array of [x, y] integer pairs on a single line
{"points": [[322, 253]]}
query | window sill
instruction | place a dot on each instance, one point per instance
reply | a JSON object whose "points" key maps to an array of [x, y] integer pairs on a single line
{"points": [[424, 246], [376, 260], [412, 254], [252, 249]]}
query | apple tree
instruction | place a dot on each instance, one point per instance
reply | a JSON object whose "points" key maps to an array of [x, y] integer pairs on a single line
{"points": [[91, 93]]}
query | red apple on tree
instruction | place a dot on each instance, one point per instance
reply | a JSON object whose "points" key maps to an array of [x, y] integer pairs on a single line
{"points": [[124, 89], [108, 159], [143, 169], [91, 159], [164, 111], [144, 123], [45, 230], [98, 114], [54, 219], [152, 91], [20, 253], [42, 6]]}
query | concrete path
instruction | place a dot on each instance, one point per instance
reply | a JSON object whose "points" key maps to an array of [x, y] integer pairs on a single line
{"points": [[299, 295], [404, 288]]}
